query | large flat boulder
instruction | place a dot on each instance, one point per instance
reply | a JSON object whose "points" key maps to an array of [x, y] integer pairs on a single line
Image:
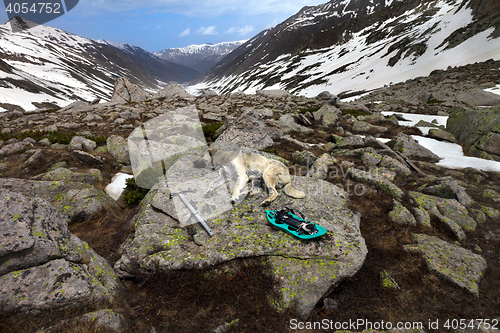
{"points": [[454, 263], [77, 201], [306, 269], [42, 265]]}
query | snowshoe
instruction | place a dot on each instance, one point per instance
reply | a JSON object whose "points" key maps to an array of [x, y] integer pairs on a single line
{"points": [[294, 223]]}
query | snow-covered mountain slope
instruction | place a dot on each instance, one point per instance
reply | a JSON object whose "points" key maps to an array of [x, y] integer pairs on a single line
{"points": [[45, 66], [200, 57], [345, 46]]}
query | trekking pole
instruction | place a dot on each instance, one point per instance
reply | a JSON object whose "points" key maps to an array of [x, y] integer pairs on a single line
{"points": [[196, 214]]}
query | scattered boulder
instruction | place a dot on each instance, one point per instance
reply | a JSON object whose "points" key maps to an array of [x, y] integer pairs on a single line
{"points": [[375, 179], [250, 130], [173, 91], [442, 135], [490, 143], [370, 158], [492, 194], [14, 148], [126, 92], [449, 211], [448, 188], [288, 124], [387, 281], [328, 98], [356, 108], [351, 142], [76, 107], [80, 143], [273, 93], [319, 169], [92, 117], [423, 123], [364, 127], [34, 160], [43, 266], [304, 157], [130, 115], [422, 216], [91, 177], [453, 263], [328, 114], [409, 147], [105, 319], [88, 158], [401, 215], [395, 165], [118, 148]]}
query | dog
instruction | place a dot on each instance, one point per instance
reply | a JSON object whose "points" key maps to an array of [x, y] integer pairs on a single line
{"points": [[244, 167]]}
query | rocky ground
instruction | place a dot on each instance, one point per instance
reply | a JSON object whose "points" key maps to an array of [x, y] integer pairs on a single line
{"points": [[407, 240]]}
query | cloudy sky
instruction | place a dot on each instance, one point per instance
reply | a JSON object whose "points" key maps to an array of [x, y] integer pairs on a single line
{"points": [[158, 24]]}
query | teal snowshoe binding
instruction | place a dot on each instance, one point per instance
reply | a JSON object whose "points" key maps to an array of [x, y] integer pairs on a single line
{"points": [[294, 223]]}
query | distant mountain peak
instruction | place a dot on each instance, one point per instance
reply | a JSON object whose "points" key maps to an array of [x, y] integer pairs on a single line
{"points": [[201, 57], [20, 23]]}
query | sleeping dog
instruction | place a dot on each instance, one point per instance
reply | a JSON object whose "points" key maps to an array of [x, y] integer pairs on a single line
{"points": [[244, 167]]}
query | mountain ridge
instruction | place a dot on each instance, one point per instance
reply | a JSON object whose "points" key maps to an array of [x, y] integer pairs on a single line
{"points": [[362, 43], [49, 66]]}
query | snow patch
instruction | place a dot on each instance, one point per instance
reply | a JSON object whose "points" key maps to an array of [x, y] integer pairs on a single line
{"points": [[495, 89], [413, 119], [453, 157], [117, 185]]}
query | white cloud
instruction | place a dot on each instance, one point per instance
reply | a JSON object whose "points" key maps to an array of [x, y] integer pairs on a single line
{"points": [[274, 23], [185, 33], [241, 31], [207, 31]]}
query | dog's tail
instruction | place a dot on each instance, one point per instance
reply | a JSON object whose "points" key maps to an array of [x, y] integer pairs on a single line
{"points": [[291, 192]]}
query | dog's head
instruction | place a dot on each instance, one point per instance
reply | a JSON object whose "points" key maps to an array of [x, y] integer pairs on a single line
{"points": [[205, 161]]}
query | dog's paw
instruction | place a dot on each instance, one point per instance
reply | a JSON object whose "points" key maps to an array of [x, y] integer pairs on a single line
{"points": [[265, 203]]}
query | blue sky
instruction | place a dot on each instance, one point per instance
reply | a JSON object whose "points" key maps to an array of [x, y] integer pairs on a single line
{"points": [[155, 25]]}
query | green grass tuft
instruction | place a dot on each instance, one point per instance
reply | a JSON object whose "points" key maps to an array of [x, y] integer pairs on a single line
{"points": [[209, 130], [133, 193], [434, 101]]}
